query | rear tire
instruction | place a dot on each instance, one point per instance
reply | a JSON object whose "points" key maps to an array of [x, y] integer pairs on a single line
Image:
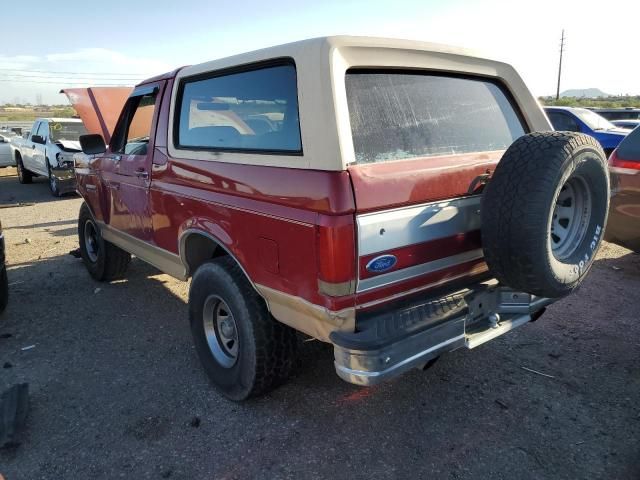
{"points": [[104, 261], [544, 212], [243, 349], [24, 175]]}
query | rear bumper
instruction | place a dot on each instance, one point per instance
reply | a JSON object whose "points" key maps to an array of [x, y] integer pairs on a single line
{"points": [[403, 339]]}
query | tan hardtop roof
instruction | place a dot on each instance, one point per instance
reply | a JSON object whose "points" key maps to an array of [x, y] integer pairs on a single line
{"points": [[318, 44], [321, 66]]}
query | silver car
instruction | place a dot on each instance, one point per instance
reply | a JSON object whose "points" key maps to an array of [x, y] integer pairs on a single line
{"points": [[6, 159]]}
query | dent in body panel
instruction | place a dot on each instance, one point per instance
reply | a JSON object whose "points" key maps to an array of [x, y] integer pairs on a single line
{"points": [[426, 238], [391, 229], [416, 181], [307, 317]]}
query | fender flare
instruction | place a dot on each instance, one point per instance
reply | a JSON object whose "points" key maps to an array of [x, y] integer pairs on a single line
{"points": [[196, 231]]}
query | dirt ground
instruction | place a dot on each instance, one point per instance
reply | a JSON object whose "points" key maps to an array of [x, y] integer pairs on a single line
{"points": [[116, 389]]}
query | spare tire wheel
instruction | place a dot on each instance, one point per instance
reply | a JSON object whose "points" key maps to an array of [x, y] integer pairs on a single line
{"points": [[544, 211]]}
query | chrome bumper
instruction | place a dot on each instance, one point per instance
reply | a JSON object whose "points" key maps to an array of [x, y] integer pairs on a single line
{"points": [[490, 311]]}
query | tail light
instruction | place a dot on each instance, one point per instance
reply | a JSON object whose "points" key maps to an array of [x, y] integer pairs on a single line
{"points": [[618, 165], [336, 255]]}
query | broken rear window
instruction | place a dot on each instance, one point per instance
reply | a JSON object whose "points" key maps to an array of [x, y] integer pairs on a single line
{"points": [[401, 115]]}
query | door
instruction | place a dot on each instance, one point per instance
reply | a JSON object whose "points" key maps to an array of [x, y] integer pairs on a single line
{"points": [[127, 168], [39, 150], [28, 150]]}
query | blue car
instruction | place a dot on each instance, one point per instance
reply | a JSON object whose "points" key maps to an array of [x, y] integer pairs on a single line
{"points": [[582, 120]]}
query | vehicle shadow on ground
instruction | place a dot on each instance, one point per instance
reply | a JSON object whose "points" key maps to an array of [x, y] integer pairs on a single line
{"points": [[12, 191], [43, 225], [627, 265], [113, 364]]}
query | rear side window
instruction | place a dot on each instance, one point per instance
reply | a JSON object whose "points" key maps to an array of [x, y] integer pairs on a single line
{"points": [[255, 110], [397, 115], [629, 148]]}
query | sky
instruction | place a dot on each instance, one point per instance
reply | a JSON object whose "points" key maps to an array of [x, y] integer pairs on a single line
{"points": [[75, 43]]}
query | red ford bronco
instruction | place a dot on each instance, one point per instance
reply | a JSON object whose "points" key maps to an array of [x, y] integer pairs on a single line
{"points": [[396, 199]]}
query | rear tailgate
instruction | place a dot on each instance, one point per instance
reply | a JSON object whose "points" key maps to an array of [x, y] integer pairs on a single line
{"points": [[423, 144]]}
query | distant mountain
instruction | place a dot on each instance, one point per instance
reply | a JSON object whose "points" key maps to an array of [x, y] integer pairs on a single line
{"points": [[584, 93]]}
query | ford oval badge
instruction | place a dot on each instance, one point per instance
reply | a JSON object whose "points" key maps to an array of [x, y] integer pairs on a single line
{"points": [[381, 264]]}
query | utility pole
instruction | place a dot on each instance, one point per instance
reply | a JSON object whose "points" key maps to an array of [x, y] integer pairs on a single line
{"points": [[560, 65]]}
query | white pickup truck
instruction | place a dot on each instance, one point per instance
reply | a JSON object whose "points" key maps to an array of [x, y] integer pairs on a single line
{"points": [[47, 150]]}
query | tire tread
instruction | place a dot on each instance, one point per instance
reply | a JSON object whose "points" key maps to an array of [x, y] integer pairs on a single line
{"points": [[275, 343], [515, 203]]}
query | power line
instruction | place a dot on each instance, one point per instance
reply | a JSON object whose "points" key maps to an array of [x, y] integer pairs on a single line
{"points": [[58, 77], [62, 82], [68, 73]]}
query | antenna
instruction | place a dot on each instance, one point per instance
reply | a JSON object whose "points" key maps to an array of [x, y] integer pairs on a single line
{"points": [[560, 64]]}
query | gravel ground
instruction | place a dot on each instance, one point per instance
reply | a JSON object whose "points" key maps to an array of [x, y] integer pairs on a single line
{"points": [[117, 391]]}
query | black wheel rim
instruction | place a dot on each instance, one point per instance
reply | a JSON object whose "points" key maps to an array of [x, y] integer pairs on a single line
{"points": [[91, 243]]}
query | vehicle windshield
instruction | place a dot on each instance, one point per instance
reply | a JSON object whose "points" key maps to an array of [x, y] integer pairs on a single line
{"points": [[70, 131], [593, 120]]}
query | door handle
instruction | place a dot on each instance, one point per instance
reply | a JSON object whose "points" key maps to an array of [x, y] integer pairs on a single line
{"points": [[115, 185], [140, 173], [33, 147]]}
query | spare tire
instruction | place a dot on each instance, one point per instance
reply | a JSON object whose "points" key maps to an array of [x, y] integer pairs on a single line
{"points": [[544, 211]]}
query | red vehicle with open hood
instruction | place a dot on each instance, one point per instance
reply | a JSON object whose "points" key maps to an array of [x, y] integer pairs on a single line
{"points": [[347, 188]]}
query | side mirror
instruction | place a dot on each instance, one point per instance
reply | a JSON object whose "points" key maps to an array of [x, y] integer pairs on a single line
{"points": [[92, 144], [37, 139]]}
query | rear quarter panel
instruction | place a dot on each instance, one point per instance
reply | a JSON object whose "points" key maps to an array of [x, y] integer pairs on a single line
{"points": [[265, 217]]}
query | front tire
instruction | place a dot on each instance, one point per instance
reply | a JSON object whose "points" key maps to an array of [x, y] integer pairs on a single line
{"points": [[54, 188], [104, 261], [243, 349]]}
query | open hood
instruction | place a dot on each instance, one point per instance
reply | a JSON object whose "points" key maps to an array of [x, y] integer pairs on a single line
{"points": [[98, 107]]}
